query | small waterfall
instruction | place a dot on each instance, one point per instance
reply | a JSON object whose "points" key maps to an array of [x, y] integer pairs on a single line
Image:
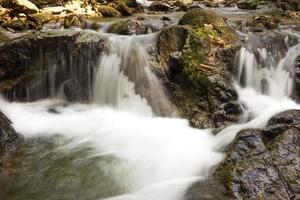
{"points": [[267, 64], [124, 74]]}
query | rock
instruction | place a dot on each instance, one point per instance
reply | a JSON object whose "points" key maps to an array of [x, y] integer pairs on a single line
{"points": [[165, 18], [296, 82], [5, 13], [197, 79], [10, 140], [129, 27], [79, 7], [286, 117], [3, 36], [265, 163], [74, 20], [16, 24], [108, 11], [261, 23], [247, 4], [210, 189], [48, 3], [124, 9], [54, 10], [24, 6], [211, 3], [292, 5], [28, 63], [159, 6]]}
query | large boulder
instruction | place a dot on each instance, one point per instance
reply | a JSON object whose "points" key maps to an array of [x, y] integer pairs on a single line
{"points": [[196, 76], [40, 65], [265, 163]]}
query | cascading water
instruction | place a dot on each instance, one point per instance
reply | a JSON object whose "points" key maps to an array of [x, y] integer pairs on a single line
{"points": [[113, 149]]}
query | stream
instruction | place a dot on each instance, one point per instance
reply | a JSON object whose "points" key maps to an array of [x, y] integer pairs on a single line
{"points": [[116, 147]]}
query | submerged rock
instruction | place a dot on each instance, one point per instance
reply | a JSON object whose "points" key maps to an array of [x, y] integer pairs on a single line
{"points": [[38, 65], [265, 163], [197, 78]]}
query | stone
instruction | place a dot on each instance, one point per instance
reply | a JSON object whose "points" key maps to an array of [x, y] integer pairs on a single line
{"points": [[17, 24], [108, 11], [264, 163], [197, 79], [24, 6], [247, 4], [10, 140], [74, 20], [129, 27], [159, 6], [54, 10], [124, 9], [261, 23], [3, 36]]}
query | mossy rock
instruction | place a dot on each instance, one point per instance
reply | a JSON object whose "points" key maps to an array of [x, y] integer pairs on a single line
{"points": [[202, 20], [200, 78]]}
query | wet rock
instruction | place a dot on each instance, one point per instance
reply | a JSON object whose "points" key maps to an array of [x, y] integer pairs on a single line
{"points": [[229, 112], [24, 6], [265, 163], [48, 3], [211, 3], [124, 9], [197, 79], [10, 140], [210, 189], [16, 24], [248, 172], [3, 36], [296, 86], [29, 63], [74, 20], [165, 18], [129, 27], [292, 5], [108, 11], [261, 23], [247, 4], [286, 117], [159, 6]]}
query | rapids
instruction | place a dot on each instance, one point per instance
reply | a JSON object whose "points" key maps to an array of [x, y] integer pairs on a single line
{"points": [[117, 148]]}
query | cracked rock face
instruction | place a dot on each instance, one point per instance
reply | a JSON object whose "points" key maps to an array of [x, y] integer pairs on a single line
{"points": [[264, 163]]}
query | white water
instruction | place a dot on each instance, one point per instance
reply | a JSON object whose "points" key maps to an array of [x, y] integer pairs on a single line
{"points": [[160, 157]]}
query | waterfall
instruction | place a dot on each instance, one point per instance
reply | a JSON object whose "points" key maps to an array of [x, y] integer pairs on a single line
{"points": [[268, 66], [117, 148], [124, 74]]}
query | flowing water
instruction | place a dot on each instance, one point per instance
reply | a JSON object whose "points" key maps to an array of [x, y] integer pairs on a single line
{"points": [[116, 147]]}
